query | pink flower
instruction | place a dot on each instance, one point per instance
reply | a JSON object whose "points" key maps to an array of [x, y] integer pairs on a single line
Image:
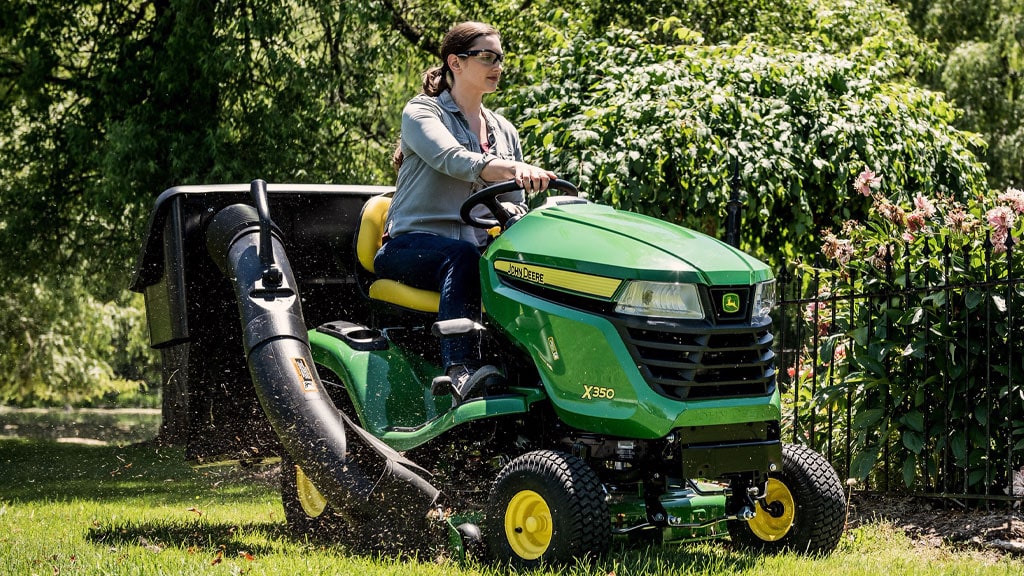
{"points": [[881, 258], [865, 181], [1002, 219], [791, 371], [999, 236], [840, 250], [1015, 198], [916, 221], [961, 221], [908, 237], [814, 307], [924, 205], [891, 212]]}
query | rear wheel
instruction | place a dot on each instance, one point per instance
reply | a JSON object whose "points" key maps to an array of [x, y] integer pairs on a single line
{"points": [[305, 509], [804, 509], [546, 506]]}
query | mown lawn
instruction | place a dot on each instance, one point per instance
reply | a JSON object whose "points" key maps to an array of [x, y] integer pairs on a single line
{"points": [[139, 509]]}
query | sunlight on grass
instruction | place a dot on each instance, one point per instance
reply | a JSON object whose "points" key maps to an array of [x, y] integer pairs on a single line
{"points": [[73, 509]]}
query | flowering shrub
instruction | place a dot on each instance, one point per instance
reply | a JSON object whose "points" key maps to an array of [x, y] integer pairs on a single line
{"points": [[915, 318]]}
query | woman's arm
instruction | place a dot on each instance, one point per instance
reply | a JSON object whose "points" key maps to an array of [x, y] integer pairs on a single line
{"points": [[424, 133], [531, 178], [427, 135]]}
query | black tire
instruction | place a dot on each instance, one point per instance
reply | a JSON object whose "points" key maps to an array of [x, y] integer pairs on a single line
{"points": [[309, 515], [806, 508], [546, 507], [306, 511]]}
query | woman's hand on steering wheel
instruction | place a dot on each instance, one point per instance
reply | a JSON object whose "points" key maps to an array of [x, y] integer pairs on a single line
{"points": [[533, 178], [502, 216]]}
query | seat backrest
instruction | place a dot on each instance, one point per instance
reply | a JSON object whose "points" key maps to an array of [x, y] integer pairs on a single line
{"points": [[371, 230]]}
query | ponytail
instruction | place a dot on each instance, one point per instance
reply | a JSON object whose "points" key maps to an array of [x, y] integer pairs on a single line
{"points": [[397, 157], [459, 39], [437, 80]]}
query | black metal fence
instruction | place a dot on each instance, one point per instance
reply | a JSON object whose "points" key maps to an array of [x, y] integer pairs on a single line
{"points": [[905, 372]]}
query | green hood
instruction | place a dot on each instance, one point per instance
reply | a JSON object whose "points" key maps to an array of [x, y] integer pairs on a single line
{"points": [[599, 240]]}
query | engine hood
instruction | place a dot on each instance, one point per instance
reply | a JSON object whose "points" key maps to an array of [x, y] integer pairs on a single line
{"points": [[604, 243]]}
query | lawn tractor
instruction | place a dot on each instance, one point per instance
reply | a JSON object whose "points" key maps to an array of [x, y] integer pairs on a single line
{"points": [[639, 397]]}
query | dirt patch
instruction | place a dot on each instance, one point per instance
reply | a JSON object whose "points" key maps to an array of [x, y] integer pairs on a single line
{"points": [[936, 523]]}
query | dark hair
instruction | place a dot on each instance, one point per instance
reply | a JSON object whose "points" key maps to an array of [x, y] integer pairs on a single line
{"points": [[458, 40]]}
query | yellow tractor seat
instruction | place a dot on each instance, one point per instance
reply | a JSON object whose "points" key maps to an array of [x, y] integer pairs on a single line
{"points": [[368, 240]]}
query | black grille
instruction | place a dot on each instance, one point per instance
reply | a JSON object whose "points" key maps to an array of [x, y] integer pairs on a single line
{"points": [[686, 364]]}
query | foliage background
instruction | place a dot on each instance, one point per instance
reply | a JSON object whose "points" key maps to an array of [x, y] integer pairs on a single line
{"points": [[660, 107]]}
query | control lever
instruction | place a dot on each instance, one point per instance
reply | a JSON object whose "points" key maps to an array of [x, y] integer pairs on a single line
{"points": [[272, 275]]}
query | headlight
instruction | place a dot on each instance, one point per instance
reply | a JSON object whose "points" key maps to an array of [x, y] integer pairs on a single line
{"points": [[764, 300], [661, 299]]}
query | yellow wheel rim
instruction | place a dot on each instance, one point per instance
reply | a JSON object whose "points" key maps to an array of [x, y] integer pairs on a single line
{"points": [[311, 500], [528, 525], [769, 527]]}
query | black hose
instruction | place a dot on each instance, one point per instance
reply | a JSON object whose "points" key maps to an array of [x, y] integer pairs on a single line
{"points": [[373, 482]]}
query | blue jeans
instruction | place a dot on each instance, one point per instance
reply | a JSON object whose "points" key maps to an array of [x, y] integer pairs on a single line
{"points": [[452, 267]]}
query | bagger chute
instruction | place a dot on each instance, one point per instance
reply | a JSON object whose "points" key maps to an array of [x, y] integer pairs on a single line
{"points": [[371, 482]]}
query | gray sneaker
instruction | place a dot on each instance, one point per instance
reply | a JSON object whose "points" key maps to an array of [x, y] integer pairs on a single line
{"points": [[465, 381], [455, 378], [459, 374]]}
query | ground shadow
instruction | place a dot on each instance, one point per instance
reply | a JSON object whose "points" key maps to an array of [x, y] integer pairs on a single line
{"points": [[189, 535], [707, 557], [42, 470]]}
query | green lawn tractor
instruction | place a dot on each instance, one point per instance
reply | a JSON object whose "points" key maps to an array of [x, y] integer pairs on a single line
{"points": [[640, 398]]}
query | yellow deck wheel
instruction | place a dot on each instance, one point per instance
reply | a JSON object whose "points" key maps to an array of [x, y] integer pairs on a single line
{"points": [[769, 526], [528, 525], [311, 500]]}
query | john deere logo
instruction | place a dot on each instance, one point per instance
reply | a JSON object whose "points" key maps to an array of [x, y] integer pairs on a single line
{"points": [[730, 303]]}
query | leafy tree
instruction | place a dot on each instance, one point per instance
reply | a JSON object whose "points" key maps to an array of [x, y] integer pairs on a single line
{"points": [[661, 123], [107, 104], [982, 73], [68, 347]]}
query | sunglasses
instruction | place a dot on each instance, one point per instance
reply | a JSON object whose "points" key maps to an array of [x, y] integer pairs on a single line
{"points": [[485, 56]]}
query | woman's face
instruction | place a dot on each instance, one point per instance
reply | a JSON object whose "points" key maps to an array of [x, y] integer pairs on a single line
{"points": [[481, 66]]}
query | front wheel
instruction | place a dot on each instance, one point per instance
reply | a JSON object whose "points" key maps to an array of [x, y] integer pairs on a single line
{"points": [[545, 507], [804, 509]]}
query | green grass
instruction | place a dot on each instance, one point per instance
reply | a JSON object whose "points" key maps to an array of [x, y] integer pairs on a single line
{"points": [[138, 509]]}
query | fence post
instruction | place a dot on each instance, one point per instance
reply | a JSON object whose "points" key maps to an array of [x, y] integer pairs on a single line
{"points": [[1010, 388], [925, 457], [733, 215], [988, 367], [947, 383]]}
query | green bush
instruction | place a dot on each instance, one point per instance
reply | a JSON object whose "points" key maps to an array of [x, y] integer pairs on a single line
{"points": [[660, 123], [63, 346]]}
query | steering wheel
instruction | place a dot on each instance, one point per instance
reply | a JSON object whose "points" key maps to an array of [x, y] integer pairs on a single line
{"points": [[489, 197]]}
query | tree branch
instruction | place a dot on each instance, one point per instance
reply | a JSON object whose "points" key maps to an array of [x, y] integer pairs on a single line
{"points": [[406, 29]]}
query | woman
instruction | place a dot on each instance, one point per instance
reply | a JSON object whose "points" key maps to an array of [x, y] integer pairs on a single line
{"points": [[452, 145]]}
